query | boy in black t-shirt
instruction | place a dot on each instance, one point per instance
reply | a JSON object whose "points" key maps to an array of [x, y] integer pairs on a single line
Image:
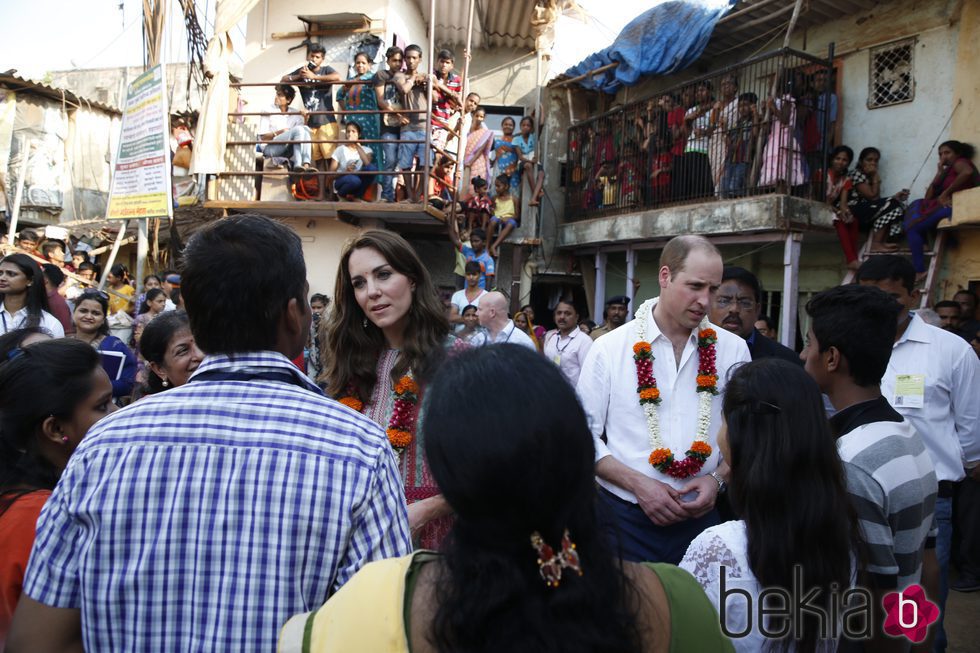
{"points": [[318, 97]]}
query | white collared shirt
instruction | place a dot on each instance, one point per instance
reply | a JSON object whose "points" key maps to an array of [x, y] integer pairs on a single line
{"points": [[510, 333], [11, 322], [949, 419], [568, 352], [607, 388], [278, 120]]}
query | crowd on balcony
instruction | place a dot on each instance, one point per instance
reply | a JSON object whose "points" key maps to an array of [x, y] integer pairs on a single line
{"points": [[709, 140]]}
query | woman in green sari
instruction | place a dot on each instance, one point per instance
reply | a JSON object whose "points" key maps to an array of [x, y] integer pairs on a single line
{"points": [[361, 97]]}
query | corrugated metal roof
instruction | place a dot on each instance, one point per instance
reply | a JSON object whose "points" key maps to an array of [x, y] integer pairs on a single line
{"points": [[496, 23], [15, 83]]}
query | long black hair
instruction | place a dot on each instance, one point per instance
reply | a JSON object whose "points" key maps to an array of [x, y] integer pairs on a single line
{"points": [[151, 294], [45, 379], [787, 482], [526, 464], [37, 296], [154, 344]]}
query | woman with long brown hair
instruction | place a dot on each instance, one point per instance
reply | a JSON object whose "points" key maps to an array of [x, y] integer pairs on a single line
{"points": [[385, 339]]}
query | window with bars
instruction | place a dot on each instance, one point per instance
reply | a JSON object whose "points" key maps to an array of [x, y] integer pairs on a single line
{"points": [[891, 79]]}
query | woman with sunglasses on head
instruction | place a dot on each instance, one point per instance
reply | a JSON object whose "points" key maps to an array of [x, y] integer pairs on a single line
{"points": [[528, 565], [23, 299], [788, 485], [91, 326], [51, 392]]}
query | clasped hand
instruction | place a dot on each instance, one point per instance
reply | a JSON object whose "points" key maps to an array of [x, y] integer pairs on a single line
{"points": [[664, 505]]}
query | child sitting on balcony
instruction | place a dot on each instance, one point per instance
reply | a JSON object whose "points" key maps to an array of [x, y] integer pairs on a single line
{"points": [[479, 206], [284, 123], [440, 181], [741, 140], [506, 213], [527, 144], [350, 158]]}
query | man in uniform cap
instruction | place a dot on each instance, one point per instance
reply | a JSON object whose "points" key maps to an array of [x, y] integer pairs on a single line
{"points": [[617, 308]]}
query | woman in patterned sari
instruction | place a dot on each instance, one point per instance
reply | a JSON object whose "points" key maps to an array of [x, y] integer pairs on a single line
{"points": [[386, 337], [361, 97], [479, 145]]}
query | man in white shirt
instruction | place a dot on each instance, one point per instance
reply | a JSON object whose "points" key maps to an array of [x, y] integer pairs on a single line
{"points": [[567, 345], [657, 514], [285, 124], [492, 314], [933, 380]]}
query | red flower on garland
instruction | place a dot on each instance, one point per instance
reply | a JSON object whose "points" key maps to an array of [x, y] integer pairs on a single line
{"points": [[401, 426]]}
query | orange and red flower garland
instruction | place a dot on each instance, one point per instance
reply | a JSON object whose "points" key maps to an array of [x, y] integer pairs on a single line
{"points": [[662, 458], [404, 414]]}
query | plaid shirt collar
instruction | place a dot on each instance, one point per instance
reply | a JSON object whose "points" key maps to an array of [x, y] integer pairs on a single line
{"points": [[254, 362]]}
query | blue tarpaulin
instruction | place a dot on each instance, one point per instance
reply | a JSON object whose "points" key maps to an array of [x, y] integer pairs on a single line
{"points": [[660, 41]]}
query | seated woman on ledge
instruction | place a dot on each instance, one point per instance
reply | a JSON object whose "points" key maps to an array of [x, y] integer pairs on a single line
{"points": [[883, 215], [956, 172], [350, 158], [526, 566]]}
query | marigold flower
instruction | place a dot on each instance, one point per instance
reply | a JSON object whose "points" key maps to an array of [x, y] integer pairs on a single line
{"points": [[660, 457], [641, 348], [706, 380], [353, 403], [399, 438], [707, 334], [651, 394], [699, 447]]}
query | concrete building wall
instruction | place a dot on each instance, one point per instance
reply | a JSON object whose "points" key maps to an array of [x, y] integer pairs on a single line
{"points": [[322, 241]]}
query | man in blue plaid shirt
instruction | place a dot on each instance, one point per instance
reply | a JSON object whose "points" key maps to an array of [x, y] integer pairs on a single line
{"points": [[201, 518]]}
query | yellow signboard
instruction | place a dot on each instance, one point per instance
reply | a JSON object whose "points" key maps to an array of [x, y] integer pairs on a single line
{"points": [[141, 186]]}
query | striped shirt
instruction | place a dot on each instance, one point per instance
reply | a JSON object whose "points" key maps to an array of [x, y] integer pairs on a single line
{"points": [[892, 485], [201, 518]]}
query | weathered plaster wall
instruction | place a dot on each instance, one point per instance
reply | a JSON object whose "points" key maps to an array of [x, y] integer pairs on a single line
{"points": [[322, 241]]}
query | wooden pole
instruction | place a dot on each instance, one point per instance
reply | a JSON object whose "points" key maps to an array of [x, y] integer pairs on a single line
{"points": [[112, 255]]}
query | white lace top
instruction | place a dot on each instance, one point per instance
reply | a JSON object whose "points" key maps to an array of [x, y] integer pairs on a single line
{"points": [[727, 545]]}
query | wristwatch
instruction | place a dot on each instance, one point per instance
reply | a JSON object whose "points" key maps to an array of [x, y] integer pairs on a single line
{"points": [[721, 482]]}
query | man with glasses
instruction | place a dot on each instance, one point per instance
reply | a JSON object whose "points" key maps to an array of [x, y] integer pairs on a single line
{"points": [[390, 98], [737, 307]]}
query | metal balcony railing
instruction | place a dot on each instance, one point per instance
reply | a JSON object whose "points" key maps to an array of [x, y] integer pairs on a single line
{"points": [[757, 127]]}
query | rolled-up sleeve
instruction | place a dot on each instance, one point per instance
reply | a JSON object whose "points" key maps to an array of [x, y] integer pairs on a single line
{"points": [[593, 390]]}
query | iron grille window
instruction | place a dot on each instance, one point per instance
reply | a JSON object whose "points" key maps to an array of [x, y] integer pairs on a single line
{"points": [[891, 79]]}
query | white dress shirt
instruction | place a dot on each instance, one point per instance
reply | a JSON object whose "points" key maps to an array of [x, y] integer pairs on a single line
{"points": [[949, 417], [10, 322], [510, 333], [607, 388], [568, 352]]}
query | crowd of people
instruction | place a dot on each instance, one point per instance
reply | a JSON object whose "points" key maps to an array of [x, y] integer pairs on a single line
{"points": [[603, 500], [371, 134]]}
